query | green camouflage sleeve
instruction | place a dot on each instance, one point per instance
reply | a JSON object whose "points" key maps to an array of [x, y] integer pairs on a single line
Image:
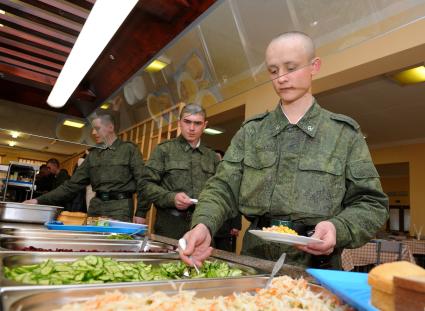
{"points": [[152, 192], [66, 192], [219, 198], [365, 204]]}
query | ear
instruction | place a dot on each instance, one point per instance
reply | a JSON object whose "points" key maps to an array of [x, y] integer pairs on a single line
{"points": [[205, 124], [316, 64]]}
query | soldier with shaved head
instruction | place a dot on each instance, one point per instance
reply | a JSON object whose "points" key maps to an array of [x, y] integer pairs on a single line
{"points": [[299, 165]]}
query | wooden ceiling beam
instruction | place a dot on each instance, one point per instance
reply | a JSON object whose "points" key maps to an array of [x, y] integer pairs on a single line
{"points": [[38, 69], [52, 33], [86, 4], [32, 49], [30, 58], [34, 39], [39, 15], [10, 72], [61, 8]]}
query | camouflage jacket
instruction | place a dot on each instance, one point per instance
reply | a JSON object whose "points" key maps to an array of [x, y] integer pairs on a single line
{"points": [[318, 169], [174, 166], [117, 168]]}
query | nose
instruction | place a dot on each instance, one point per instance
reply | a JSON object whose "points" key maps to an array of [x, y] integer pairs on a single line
{"points": [[192, 126], [282, 78], [93, 132]]}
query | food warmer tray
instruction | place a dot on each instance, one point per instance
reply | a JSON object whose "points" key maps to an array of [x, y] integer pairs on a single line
{"points": [[13, 244], [39, 298], [28, 213], [13, 260], [45, 233]]}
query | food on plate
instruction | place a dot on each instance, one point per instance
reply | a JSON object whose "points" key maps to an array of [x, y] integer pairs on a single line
{"points": [[95, 269], [381, 279], [280, 229], [120, 237], [285, 293]]}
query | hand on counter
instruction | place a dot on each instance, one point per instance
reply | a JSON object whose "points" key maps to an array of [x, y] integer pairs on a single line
{"points": [[32, 201], [198, 245], [325, 231], [139, 220], [182, 201]]}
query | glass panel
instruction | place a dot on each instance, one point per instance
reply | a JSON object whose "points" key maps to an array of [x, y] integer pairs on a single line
{"points": [[223, 55], [394, 219]]}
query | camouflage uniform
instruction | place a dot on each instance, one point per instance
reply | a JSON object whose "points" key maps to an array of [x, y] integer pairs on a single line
{"points": [[174, 167], [116, 169], [319, 169]]}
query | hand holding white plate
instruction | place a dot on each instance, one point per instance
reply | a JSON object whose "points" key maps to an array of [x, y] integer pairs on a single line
{"points": [[286, 238]]}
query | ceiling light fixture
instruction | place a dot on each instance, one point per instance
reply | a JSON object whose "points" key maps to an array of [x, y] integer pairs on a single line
{"points": [[14, 134], [212, 131], [73, 123], [104, 106], [2, 12], [410, 76], [12, 143], [105, 15], [158, 64]]}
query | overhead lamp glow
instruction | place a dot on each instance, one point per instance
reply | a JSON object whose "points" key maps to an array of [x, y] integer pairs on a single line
{"points": [[12, 143], [103, 21], [14, 134], [211, 131], [410, 76], [104, 106], [73, 123], [158, 64], [2, 12]]}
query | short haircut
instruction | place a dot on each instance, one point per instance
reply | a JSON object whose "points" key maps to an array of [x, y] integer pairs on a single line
{"points": [[307, 40], [193, 109], [53, 161], [108, 117]]}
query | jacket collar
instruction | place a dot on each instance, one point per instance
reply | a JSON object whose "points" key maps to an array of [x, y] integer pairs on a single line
{"points": [[186, 146], [308, 123]]}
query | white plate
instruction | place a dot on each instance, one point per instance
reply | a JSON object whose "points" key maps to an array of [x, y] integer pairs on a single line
{"points": [[284, 237]]}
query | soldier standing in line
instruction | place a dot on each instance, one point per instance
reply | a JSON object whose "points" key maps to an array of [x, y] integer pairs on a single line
{"points": [[114, 170], [60, 175], [299, 163], [175, 174]]}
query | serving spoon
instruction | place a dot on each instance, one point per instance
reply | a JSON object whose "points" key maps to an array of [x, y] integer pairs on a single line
{"points": [[276, 268], [182, 245]]}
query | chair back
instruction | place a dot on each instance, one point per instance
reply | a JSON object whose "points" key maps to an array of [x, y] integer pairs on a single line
{"points": [[384, 246]]}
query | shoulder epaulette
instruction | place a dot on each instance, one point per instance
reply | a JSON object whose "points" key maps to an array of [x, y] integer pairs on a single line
{"points": [[256, 117], [345, 119]]}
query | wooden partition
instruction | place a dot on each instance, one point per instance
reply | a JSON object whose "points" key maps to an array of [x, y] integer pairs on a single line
{"points": [[148, 133]]}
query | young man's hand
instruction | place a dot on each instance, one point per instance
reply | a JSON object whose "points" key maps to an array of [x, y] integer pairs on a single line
{"points": [[198, 241], [325, 231], [182, 201]]}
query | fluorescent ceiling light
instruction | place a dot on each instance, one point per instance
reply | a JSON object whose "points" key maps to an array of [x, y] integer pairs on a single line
{"points": [[73, 123], [104, 20], [2, 12], [410, 76], [104, 106], [211, 131], [158, 64], [14, 134], [12, 143]]}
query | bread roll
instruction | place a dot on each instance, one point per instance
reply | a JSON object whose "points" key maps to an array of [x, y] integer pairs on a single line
{"points": [[381, 280]]}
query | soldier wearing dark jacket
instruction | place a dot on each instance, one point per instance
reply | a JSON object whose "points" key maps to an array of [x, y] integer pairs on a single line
{"points": [[114, 170], [59, 175], [299, 163], [175, 173]]}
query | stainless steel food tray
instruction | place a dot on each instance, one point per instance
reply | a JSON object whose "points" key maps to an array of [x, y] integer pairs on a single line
{"points": [[8, 260], [46, 233], [27, 213], [31, 243], [42, 298]]}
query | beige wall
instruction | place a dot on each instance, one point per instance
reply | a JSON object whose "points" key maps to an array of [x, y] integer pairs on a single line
{"points": [[12, 154], [415, 156]]}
